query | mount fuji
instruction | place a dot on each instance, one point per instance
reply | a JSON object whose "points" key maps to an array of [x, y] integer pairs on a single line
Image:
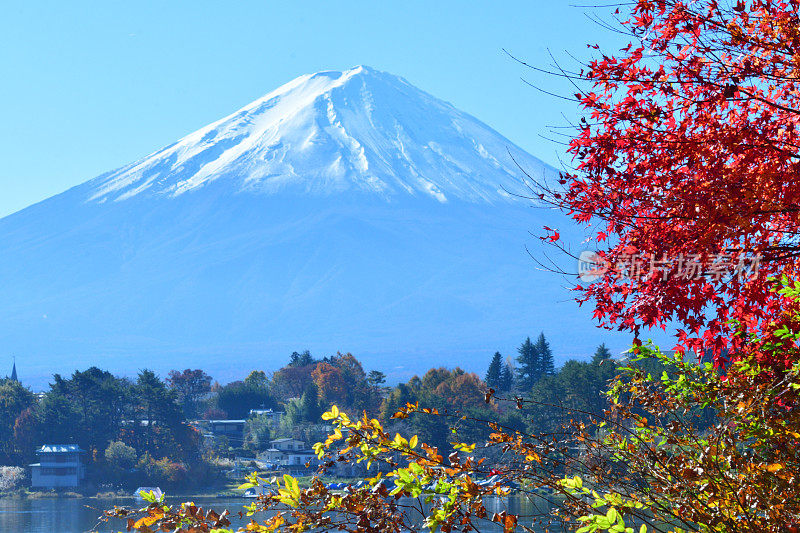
{"points": [[343, 211]]}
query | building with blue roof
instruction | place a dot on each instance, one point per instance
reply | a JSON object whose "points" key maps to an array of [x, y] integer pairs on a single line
{"points": [[59, 466]]}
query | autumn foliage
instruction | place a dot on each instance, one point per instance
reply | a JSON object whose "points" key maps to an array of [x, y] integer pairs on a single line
{"points": [[688, 154], [680, 449]]}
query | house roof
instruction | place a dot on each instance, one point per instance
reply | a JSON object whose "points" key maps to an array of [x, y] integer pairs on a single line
{"points": [[226, 421], [285, 439], [59, 448]]}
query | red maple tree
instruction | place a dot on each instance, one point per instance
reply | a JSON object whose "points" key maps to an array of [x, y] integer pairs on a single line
{"points": [[687, 168]]}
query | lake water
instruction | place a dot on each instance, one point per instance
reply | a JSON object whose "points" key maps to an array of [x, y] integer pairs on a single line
{"points": [[80, 515]]}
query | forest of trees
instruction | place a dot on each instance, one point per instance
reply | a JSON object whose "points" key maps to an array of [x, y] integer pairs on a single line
{"points": [[682, 168], [144, 430]]}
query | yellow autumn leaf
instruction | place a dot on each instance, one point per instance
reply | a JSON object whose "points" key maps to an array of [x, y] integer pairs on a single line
{"points": [[533, 456], [146, 521]]}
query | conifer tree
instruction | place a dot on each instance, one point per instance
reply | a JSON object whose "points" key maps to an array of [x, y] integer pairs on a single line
{"points": [[546, 364], [310, 408], [376, 378], [494, 371], [506, 381], [529, 370], [301, 359], [601, 354]]}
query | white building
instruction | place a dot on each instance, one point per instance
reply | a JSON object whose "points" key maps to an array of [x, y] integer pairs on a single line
{"points": [[289, 453], [272, 456], [288, 445], [300, 458], [60, 465], [274, 417]]}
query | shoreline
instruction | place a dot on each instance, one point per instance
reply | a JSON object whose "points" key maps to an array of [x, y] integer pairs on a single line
{"points": [[222, 492], [112, 496]]}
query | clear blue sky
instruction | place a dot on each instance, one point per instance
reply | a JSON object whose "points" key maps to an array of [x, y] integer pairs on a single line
{"points": [[88, 87]]}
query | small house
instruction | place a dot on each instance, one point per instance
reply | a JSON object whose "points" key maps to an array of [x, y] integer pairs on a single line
{"points": [[59, 466], [289, 453], [299, 459], [288, 445], [272, 456], [273, 417]]}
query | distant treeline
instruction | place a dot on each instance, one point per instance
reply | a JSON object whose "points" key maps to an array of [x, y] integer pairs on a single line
{"points": [[141, 430]]}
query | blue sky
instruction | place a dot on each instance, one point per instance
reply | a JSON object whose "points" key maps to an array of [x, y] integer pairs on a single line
{"points": [[89, 87]]}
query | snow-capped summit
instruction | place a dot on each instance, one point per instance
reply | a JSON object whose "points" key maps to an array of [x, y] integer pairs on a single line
{"points": [[343, 211], [329, 132]]}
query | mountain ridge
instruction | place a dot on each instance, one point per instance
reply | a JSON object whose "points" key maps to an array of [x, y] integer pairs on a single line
{"points": [[207, 254], [330, 132]]}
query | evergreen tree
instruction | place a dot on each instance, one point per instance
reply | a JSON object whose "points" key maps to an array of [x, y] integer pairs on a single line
{"points": [[601, 354], [257, 432], [529, 370], [506, 381], [493, 374], [310, 408], [301, 359], [546, 365], [238, 397], [376, 378], [101, 402], [574, 392], [158, 411]]}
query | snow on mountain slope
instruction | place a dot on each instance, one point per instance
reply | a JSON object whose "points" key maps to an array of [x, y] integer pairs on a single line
{"points": [[330, 132], [343, 211]]}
